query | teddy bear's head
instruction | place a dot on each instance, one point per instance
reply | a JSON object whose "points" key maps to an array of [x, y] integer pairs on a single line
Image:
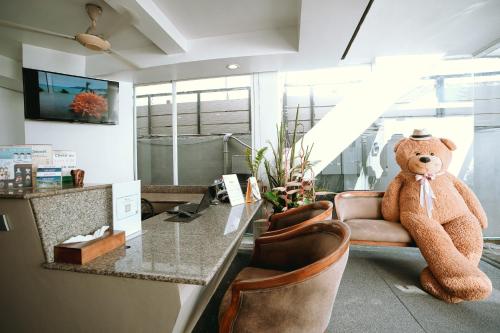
{"points": [[428, 155]]}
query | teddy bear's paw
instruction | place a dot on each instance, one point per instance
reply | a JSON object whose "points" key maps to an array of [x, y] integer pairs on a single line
{"points": [[440, 293], [431, 286], [469, 288]]}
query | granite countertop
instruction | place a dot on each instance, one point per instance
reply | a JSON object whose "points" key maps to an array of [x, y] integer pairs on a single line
{"points": [[28, 193], [187, 253]]}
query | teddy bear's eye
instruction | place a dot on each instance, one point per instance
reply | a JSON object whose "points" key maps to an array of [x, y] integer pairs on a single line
{"points": [[418, 154], [432, 154]]}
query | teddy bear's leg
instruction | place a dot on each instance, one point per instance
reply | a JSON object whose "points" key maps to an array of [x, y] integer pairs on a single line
{"points": [[429, 284], [451, 269], [465, 232]]}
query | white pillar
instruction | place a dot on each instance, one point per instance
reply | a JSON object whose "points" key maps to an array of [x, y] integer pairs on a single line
{"points": [[175, 167], [267, 109]]}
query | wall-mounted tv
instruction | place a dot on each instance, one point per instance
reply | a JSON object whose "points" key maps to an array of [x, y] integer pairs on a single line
{"points": [[61, 97]]}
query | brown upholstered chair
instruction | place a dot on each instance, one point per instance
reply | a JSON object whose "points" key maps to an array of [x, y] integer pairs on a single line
{"points": [[303, 215], [291, 283], [361, 211]]}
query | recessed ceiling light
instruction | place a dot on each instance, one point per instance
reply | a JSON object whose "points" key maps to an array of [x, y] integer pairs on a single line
{"points": [[233, 66]]}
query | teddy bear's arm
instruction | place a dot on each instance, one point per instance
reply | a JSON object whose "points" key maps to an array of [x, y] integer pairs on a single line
{"points": [[390, 202], [471, 201]]}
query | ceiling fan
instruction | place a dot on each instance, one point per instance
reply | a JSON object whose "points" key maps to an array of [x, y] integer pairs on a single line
{"points": [[89, 39]]}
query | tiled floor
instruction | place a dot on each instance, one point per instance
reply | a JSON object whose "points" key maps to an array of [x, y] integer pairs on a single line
{"points": [[379, 293], [369, 299]]}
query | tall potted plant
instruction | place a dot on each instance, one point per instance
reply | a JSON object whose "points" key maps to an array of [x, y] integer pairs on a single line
{"points": [[254, 164], [260, 225], [290, 174]]}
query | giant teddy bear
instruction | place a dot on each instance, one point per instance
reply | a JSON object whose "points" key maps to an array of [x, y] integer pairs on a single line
{"points": [[442, 215]]}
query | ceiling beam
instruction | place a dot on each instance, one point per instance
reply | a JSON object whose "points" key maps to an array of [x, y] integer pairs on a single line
{"points": [[259, 43], [152, 22]]}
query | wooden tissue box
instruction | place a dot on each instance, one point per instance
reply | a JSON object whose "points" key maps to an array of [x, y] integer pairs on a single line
{"points": [[84, 252]]}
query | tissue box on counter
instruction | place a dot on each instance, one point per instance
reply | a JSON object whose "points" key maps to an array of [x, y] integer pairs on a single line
{"points": [[84, 252]]}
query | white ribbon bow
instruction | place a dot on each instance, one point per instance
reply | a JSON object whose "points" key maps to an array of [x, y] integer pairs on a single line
{"points": [[426, 194]]}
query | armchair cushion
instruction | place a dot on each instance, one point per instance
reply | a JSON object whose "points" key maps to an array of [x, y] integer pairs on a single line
{"points": [[378, 231], [294, 253]]}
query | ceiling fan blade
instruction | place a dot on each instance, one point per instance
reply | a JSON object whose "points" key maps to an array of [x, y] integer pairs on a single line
{"points": [[9, 24], [117, 55]]}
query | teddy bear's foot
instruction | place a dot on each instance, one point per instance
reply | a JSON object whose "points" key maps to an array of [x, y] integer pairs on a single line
{"points": [[469, 288], [430, 285]]}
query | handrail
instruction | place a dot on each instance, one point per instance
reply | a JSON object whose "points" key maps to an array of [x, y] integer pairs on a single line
{"points": [[226, 139], [228, 136]]}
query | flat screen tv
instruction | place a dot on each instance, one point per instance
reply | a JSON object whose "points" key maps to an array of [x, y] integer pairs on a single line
{"points": [[61, 97]]}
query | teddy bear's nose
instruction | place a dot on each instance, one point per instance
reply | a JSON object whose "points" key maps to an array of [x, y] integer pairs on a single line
{"points": [[425, 159]]}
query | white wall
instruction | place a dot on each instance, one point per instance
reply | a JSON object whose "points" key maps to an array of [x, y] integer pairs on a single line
{"points": [[105, 152], [11, 102], [11, 117]]}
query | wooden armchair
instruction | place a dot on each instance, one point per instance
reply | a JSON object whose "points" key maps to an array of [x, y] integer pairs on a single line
{"points": [[303, 215], [361, 211], [291, 283]]}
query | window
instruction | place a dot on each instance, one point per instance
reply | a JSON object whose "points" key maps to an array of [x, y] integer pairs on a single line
{"points": [[316, 92], [207, 109], [460, 99]]}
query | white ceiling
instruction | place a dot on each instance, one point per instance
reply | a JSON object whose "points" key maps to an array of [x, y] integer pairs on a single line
{"points": [[450, 27], [178, 39], [205, 18]]}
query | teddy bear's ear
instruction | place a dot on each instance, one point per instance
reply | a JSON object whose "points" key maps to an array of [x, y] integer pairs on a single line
{"points": [[448, 143], [396, 146]]}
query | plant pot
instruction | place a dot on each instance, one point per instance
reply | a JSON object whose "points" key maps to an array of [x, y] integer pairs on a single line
{"points": [[260, 226]]}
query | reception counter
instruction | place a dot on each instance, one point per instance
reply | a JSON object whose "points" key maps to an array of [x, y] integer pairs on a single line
{"points": [[160, 281], [177, 252]]}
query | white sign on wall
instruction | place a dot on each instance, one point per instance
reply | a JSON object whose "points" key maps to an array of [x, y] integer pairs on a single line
{"points": [[127, 207]]}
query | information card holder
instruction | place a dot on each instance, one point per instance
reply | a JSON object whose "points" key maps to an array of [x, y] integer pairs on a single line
{"points": [[233, 189], [253, 192]]}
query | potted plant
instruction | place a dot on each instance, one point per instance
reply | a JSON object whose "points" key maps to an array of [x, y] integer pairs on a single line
{"points": [[254, 165], [261, 225], [290, 174]]}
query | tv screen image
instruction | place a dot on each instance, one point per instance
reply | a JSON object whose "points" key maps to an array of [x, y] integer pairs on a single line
{"points": [[53, 96]]}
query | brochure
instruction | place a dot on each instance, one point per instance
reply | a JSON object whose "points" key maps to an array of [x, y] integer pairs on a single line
{"points": [[48, 176], [41, 155], [66, 159], [15, 167]]}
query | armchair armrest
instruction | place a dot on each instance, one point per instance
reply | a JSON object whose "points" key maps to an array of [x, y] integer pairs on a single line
{"points": [[318, 211]]}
